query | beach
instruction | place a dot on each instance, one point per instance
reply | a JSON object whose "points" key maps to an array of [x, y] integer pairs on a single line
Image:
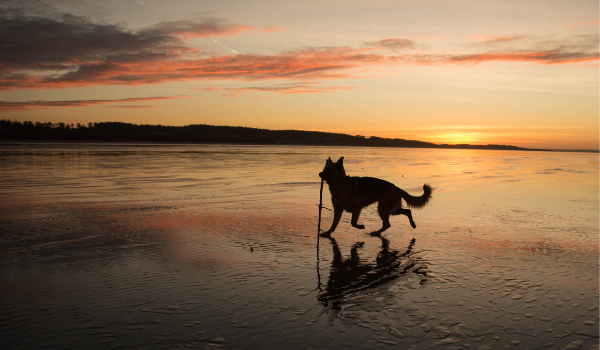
{"points": [[215, 246]]}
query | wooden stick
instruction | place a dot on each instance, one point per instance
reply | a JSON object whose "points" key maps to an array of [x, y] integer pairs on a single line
{"points": [[320, 208]]}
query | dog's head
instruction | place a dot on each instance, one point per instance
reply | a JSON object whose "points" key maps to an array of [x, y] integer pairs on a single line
{"points": [[333, 171]]}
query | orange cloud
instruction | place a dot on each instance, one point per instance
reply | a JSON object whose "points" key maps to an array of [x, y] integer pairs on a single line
{"points": [[71, 51], [311, 64], [207, 89], [393, 44], [314, 64], [286, 89], [320, 64], [495, 39], [133, 106], [272, 29], [540, 57]]}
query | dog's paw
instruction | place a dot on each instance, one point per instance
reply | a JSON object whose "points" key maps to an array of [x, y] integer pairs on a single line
{"points": [[360, 227], [325, 234], [413, 225]]}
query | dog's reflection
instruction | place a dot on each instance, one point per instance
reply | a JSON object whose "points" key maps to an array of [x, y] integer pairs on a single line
{"points": [[353, 274]]}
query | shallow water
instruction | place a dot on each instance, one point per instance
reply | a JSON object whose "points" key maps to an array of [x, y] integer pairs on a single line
{"points": [[214, 246]]}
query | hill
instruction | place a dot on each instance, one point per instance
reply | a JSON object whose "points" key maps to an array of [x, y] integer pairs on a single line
{"points": [[200, 133]]}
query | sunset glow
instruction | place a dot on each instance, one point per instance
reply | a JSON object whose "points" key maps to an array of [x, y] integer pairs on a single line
{"points": [[478, 72]]}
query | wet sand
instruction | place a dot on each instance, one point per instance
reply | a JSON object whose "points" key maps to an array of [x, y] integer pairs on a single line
{"points": [[146, 246]]}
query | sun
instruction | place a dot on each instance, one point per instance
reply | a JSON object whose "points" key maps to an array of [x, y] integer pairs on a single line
{"points": [[457, 138]]}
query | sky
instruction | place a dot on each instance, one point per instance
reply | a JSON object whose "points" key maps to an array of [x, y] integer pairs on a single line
{"points": [[521, 73]]}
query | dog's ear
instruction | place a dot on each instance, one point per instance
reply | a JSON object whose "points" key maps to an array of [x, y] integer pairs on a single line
{"points": [[328, 160], [340, 161]]}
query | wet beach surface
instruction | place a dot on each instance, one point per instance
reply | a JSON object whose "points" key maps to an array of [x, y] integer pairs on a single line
{"points": [[111, 246]]}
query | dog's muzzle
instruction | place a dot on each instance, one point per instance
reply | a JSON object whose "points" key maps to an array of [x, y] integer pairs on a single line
{"points": [[321, 175]]}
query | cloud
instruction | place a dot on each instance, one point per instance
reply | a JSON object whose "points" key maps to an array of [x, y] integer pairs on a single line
{"points": [[206, 89], [68, 42], [132, 107], [310, 64], [497, 39], [71, 51], [286, 89], [190, 29], [33, 105], [63, 51], [542, 57], [393, 44], [272, 29], [572, 49]]}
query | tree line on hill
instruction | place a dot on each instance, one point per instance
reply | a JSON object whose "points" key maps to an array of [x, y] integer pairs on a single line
{"points": [[201, 133]]}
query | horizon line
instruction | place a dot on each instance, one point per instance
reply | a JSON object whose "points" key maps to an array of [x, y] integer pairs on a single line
{"points": [[442, 145]]}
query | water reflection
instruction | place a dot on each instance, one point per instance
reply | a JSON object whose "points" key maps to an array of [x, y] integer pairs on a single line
{"points": [[354, 274], [148, 246]]}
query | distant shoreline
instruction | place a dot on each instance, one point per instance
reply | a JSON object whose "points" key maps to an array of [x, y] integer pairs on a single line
{"points": [[12, 131], [150, 143]]}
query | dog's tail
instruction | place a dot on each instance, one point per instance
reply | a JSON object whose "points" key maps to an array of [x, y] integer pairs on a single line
{"points": [[418, 202]]}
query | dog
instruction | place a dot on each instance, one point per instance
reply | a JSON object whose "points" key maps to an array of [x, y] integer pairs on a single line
{"points": [[353, 193]]}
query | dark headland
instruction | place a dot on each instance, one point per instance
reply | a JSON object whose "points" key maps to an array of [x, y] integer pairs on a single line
{"points": [[200, 133]]}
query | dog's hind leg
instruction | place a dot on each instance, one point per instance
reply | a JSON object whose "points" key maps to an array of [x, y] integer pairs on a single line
{"points": [[408, 213], [354, 221], [384, 214]]}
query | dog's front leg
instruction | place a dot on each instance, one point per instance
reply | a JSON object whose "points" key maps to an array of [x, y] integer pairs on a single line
{"points": [[354, 221], [337, 215]]}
